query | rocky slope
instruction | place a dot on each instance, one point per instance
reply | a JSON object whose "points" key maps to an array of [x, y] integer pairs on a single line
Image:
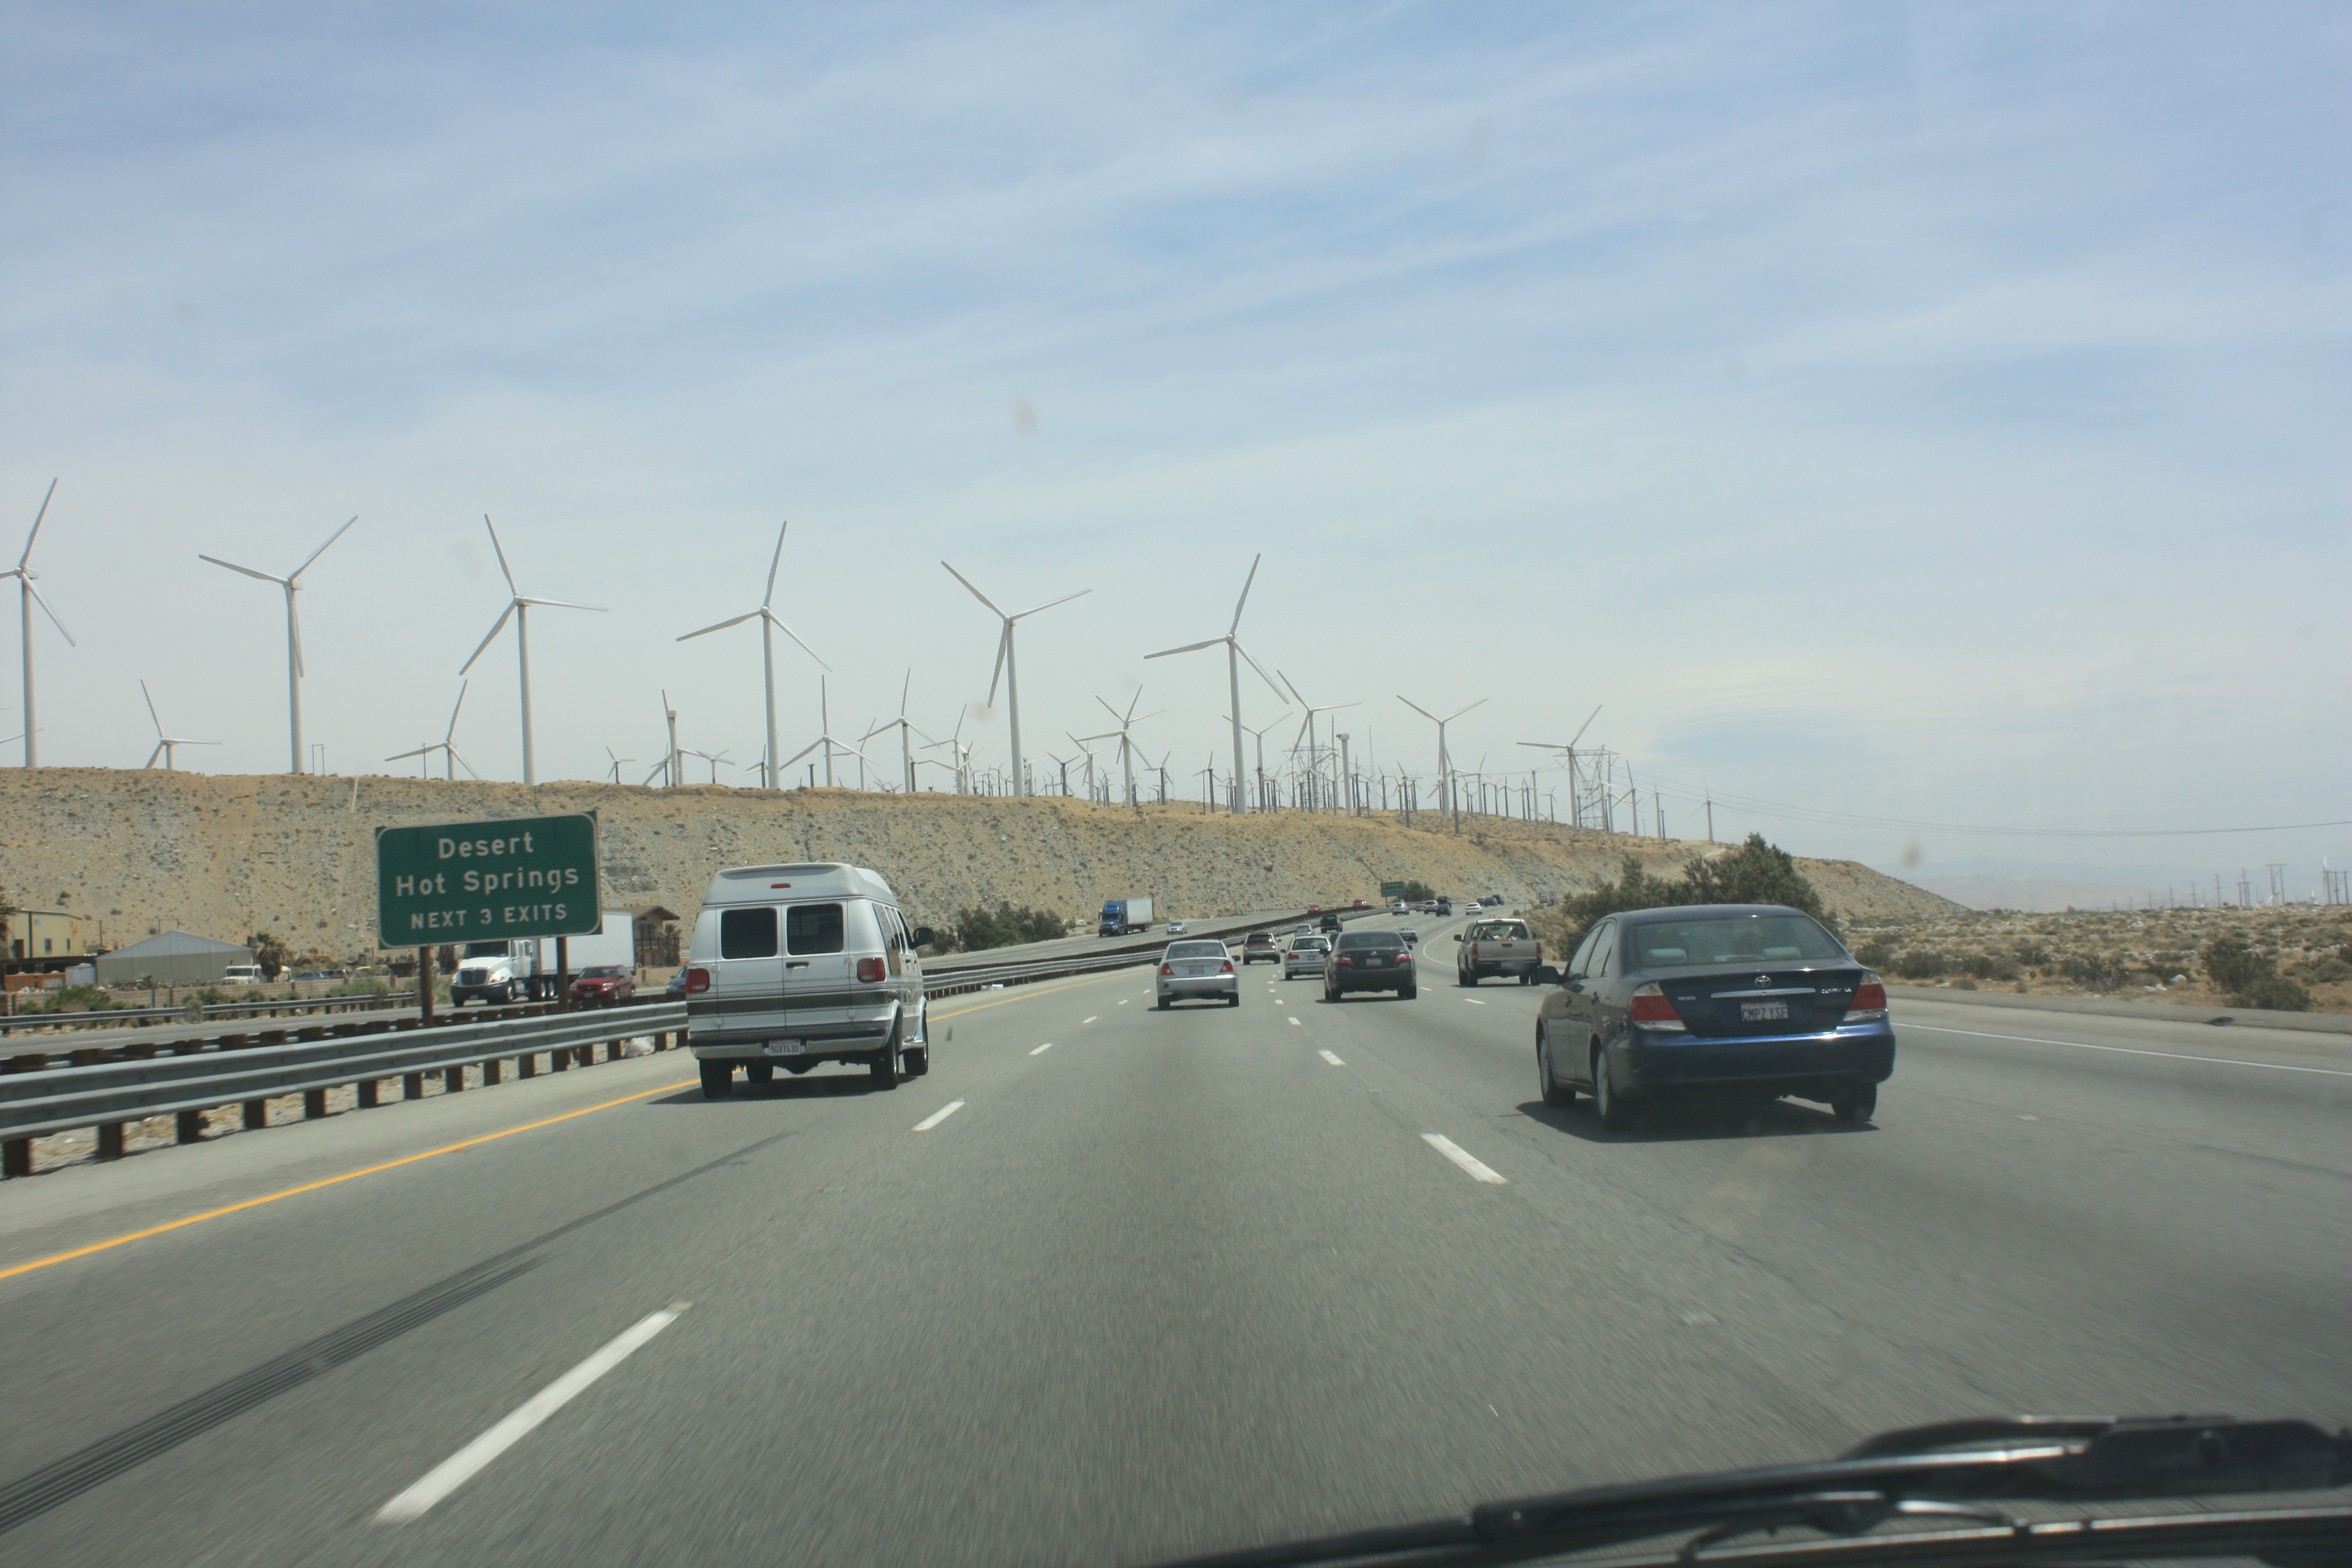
{"points": [[227, 856]]}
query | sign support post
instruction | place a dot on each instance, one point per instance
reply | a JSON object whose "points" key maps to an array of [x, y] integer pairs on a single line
{"points": [[425, 987]]}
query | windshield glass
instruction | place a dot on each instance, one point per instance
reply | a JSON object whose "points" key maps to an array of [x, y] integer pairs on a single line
{"points": [[1007, 471]]}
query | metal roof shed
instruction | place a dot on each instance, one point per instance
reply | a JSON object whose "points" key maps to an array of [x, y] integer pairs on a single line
{"points": [[174, 958]]}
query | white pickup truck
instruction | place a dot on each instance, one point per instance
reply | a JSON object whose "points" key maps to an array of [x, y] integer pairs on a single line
{"points": [[1496, 947]]}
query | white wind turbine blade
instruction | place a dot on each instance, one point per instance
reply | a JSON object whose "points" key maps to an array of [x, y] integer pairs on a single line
{"points": [[36, 526], [495, 631], [150, 711], [1294, 690], [246, 570], [420, 752], [722, 625], [803, 751], [975, 593], [158, 751], [1580, 729], [1459, 711], [905, 687], [27, 580], [649, 777], [1244, 598], [562, 604], [1188, 647], [454, 707], [500, 550], [1003, 641], [463, 763], [776, 622], [1420, 710], [1051, 603], [778, 560], [1262, 675], [296, 576]]}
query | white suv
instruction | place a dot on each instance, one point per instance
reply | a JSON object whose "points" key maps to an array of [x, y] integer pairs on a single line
{"points": [[803, 964]]}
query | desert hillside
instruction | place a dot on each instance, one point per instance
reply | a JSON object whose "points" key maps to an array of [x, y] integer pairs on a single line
{"points": [[227, 856]]}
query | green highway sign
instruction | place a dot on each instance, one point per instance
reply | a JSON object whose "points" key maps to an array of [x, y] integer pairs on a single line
{"points": [[1392, 890], [473, 881]]}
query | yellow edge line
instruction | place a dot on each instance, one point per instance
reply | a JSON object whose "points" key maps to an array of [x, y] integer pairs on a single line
{"points": [[328, 1182], [1026, 993]]}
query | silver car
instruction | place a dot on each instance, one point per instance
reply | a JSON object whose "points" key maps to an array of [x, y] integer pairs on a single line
{"points": [[1201, 971], [1304, 955]]}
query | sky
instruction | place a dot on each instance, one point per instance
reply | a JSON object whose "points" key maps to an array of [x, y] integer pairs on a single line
{"points": [[1899, 421]]}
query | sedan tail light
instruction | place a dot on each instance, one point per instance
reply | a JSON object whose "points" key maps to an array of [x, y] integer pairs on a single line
{"points": [[697, 981], [1869, 1004], [1650, 1009], [1169, 969], [1404, 957], [1345, 963], [1226, 967], [871, 970]]}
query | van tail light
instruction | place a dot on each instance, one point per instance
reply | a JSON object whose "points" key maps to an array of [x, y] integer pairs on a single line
{"points": [[871, 970], [1226, 967], [697, 981], [1168, 969], [1650, 1009], [1869, 1004]]}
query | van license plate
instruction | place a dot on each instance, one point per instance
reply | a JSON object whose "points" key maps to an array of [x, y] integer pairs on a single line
{"points": [[784, 1048], [1763, 1011]]}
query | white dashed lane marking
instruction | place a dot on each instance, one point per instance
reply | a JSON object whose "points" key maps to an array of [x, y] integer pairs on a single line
{"points": [[1295, 1023], [1327, 1056], [941, 1114], [1474, 1001], [1041, 1050], [1463, 1158]]}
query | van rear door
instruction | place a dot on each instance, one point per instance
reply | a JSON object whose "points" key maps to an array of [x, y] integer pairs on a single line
{"points": [[817, 962], [747, 979]]}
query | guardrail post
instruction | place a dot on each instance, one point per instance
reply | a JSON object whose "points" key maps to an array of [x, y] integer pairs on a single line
{"points": [[527, 1065], [109, 1141], [452, 1079], [189, 1127], [493, 1069], [367, 1093], [314, 1104], [16, 1157], [411, 1085]]}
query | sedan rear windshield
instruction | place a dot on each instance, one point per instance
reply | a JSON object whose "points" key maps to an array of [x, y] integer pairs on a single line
{"points": [[1308, 944], [1377, 941], [1196, 950], [1734, 938]]}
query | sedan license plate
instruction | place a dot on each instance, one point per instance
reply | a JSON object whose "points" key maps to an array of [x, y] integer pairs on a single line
{"points": [[784, 1048], [1763, 1012]]}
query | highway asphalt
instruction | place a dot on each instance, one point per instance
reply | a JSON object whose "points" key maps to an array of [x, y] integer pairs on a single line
{"points": [[1157, 1283]]}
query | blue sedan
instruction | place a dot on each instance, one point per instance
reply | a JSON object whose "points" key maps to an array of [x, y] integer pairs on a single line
{"points": [[1752, 998]]}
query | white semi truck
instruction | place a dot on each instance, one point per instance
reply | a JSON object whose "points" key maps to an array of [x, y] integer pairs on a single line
{"points": [[511, 968]]}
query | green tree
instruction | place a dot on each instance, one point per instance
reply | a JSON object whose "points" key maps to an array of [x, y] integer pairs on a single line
{"points": [[1755, 873]]}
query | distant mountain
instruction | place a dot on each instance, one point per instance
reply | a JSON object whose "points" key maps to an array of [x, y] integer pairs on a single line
{"points": [[2041, 895]]}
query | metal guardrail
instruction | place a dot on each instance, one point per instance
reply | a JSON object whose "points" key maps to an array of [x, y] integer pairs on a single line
{"points": [[108, 1095], [118, 1017]]}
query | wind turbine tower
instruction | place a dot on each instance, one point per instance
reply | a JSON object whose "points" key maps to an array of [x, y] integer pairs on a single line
{"points": [[26, 597], [291, 583], [1234, 655], [1006, 667], [768, 625], [516, 606], [1448, 799]]}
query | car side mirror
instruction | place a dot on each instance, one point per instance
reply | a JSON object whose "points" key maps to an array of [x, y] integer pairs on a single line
{"points": [[1457, 936], [1547, 975], [925, 936]]}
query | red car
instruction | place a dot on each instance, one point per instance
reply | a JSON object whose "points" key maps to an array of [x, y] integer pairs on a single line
{"points": [[1314, 909], [605, 986], [1363, 904]]}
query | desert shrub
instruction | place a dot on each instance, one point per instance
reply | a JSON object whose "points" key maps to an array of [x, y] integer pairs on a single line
{"points": [[362, 985], [2100, 971], [2235, 966], [1875, 954], [79, 999], [1990, 966], [1920, 964], [2273, 993], [979, 927], [2032, 954], [2326, 971], [1417, 891], [1755, 873]]}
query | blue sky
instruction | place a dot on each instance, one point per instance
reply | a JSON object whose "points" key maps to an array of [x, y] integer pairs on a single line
{"points": [[1930, 413]]}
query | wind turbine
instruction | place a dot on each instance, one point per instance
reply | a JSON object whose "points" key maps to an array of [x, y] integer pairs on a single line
{"points": [[1314, 749], [1259, 736], [26, 597], [163, 743], [824, 739], [1445, 796], [1570, 752], [447, 743], [960, 752], [768, 627], [1005, 666], [1234, 655], [292, 583], [616, 763], [1126, 722], [906, 729], [713, 759], [1089, 752], [516, 606]]}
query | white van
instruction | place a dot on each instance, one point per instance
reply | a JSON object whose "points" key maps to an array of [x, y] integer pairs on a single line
{"points": [[795, 965]]}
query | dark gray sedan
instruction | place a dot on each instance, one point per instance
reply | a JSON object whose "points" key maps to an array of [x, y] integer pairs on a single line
{"points": [[1755, 999], [1369, 961]]}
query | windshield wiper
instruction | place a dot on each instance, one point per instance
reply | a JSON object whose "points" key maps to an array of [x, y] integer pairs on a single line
{"points": [[1959, 1469]]}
